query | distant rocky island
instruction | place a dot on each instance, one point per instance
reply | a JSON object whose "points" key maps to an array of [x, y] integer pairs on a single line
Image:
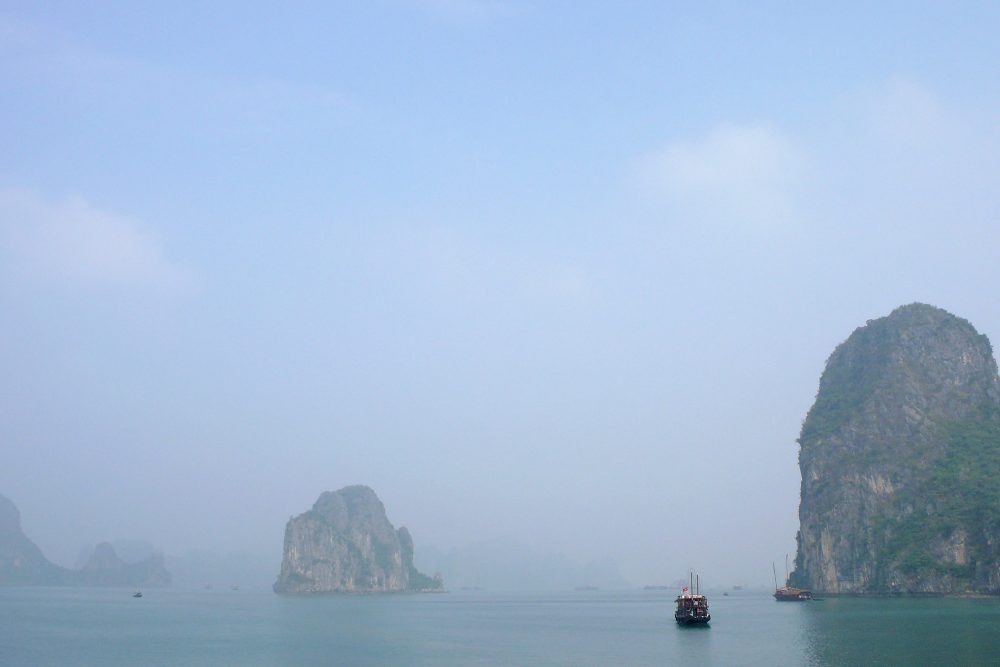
{"points": [[105, 568], [346, 544], [22, 563], [900, 462]]}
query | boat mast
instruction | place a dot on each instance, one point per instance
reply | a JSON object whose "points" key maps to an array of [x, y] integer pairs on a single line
{"points": [[697, 585], [775, 570]]}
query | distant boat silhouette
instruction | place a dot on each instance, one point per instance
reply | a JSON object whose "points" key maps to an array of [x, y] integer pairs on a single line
{"points": [[137, 594]]}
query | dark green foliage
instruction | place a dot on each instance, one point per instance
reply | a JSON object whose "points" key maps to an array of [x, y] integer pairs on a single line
{"points": [[849, 381], [421, 582], [967, 477], [960, 492]]}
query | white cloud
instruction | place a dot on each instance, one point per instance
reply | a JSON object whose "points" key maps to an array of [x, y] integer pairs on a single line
{"points": [[72, 241], [904, 157], [906, 112], [741, 175]]}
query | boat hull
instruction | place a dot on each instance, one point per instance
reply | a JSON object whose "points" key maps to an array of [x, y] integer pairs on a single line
{"points": [[693, 620], [791, 599], [792, 595]]}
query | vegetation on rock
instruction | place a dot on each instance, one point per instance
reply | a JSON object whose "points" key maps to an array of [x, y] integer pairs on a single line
{"points": [[345, 544], [899, 457]]}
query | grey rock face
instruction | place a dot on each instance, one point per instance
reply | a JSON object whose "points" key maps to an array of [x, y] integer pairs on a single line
{"points": [[346, 544], [21, 561], [105, 568], [906, 410]]}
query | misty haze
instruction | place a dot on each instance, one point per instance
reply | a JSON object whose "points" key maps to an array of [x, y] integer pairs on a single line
{"points": [[530, 312]]}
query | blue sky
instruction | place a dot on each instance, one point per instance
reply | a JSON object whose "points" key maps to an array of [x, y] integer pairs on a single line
{"points": [[526, 268]]}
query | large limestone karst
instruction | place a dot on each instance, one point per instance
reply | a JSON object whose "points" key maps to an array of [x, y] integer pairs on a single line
{"points": [[900, 462], [345, 544]]}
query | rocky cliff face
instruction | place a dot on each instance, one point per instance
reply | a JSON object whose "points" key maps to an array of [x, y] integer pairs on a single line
{"points": [[345, 544], [899, 458], [21, 561]]}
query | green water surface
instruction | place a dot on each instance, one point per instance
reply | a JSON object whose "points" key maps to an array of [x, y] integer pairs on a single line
{"points": [[107, 627]]}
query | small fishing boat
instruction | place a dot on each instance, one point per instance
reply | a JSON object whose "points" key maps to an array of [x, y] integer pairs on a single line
{"points": [[137, 594], [692, 608]]}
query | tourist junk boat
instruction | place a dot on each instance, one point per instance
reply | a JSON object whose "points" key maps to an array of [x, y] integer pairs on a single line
{"points": [[692, 608], [792, 594], [789, 593]]}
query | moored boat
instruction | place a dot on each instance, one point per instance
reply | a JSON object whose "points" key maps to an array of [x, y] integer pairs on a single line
{"points": [[792, 594], [788, 593]]}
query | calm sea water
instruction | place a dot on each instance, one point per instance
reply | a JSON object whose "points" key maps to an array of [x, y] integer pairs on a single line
{"points": [[103, 627]]}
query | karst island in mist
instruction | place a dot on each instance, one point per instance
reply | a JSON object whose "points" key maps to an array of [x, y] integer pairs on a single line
{"points": [[899, 457]]}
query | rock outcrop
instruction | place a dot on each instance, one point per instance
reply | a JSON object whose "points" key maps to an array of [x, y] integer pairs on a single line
{"points": [[345, 544], [21, 561], [23, 564], [105, 568], [900, 456]]}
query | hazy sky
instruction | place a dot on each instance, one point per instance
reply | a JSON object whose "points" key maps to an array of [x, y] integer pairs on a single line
{"points": [[560, 272]]}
